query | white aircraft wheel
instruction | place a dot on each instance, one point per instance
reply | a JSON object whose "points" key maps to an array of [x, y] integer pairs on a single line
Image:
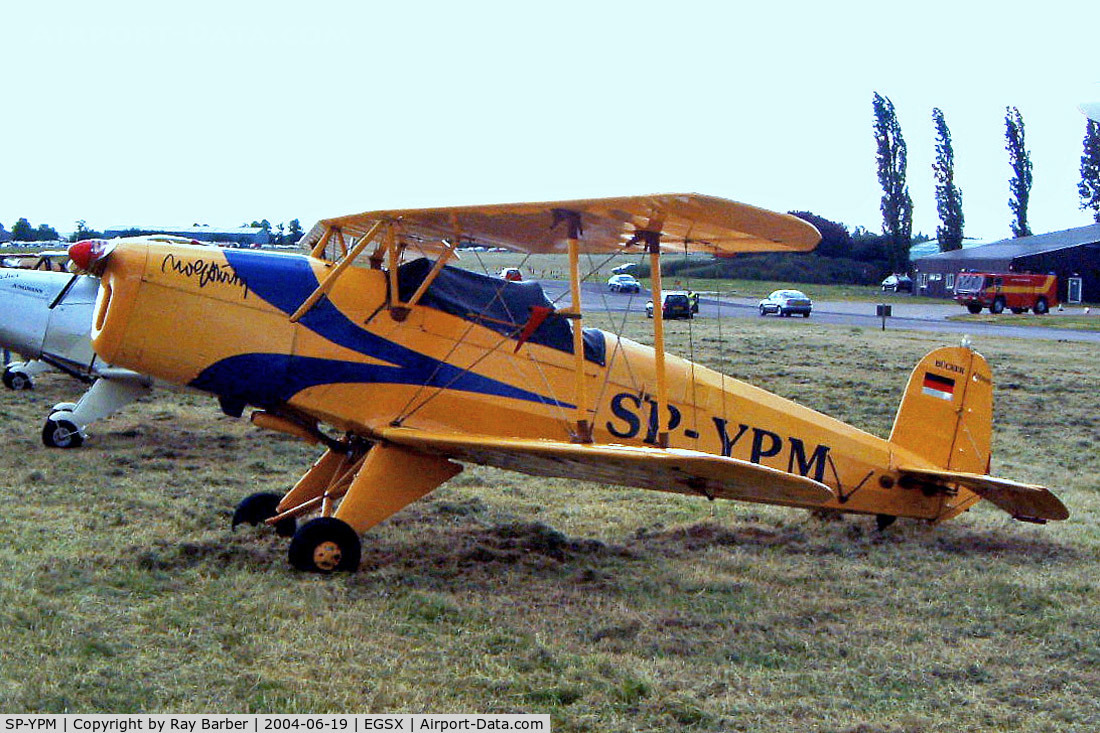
{"points": [[17, 380], [257, 508], [324, 545], [61, 433]]}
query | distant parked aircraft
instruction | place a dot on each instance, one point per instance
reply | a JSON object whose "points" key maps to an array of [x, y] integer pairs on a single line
{"points": [[46, 316]]}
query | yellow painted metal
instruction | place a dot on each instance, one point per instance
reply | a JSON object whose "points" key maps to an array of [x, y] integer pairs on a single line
{"points": [[318, 251], [432, 275], [745, 442], [583, 428], [674, 470], [691, 223], [390, 479], [267, 421], [316, 480], [337, 270], [659, 345], [394, 260]]}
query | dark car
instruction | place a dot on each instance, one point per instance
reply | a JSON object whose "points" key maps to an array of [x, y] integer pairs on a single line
{"points": [[676, 305], [897, 284]]}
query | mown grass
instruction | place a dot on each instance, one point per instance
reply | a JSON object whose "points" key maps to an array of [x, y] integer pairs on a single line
{"points": [[1077, 320], [123, 589]]}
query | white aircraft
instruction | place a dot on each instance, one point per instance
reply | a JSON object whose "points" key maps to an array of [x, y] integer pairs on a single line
{"points": [[46, 317]]}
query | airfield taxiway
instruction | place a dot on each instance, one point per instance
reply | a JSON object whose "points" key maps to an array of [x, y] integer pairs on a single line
{"points": [[906, 316]]}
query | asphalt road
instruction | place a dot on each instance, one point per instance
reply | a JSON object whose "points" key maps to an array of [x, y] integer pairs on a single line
{"points": [[907, 316]]}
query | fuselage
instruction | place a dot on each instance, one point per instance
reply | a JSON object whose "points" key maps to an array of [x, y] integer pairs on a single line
{"points": [[31, 327], [219, 320]]}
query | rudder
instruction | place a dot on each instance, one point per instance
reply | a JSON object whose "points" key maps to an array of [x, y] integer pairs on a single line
{"points": [[946, 414]]}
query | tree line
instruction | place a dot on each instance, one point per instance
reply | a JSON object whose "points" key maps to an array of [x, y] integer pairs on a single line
{"points": [[897, 206], [863, 257], [24, 231]]}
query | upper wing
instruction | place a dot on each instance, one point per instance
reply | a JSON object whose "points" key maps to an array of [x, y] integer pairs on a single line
{"points": [[671, 469], [1022, 501], [687, 222]]}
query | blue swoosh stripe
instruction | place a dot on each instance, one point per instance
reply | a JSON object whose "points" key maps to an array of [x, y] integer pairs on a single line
{"points": [[285, 282]]}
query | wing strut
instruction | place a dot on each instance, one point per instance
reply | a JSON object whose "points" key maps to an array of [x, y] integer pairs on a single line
{"points": [[651, 238], [330, 279], [583, 431]]}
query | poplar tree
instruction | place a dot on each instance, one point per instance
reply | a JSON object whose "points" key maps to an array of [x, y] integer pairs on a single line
{"points": [[1020, 160], [1089, 187], [897, 205], [948, 195]]}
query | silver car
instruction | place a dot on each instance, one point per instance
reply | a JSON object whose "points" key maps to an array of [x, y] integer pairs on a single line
{"points": [[787, 303]]}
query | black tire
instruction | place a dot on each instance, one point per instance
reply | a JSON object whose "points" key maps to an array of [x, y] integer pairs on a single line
{"points": [[974, 308], [325, 545], [998, 306], [257, 508], [762, 311], [61, 433], [17, 380], [1041, 307], [805, 315]]}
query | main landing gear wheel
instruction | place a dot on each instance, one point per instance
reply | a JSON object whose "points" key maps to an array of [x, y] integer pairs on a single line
{"points": [[17, 380], [324, 545], [258, 508], [61, 433]]}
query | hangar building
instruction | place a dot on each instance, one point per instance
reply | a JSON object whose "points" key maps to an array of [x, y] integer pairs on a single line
{"points": [[1073, 255], [240, 236]]}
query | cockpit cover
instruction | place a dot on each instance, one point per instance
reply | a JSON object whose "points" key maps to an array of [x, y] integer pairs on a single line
{"points": [[497, 304]]}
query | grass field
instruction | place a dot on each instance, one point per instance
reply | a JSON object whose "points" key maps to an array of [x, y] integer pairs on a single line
{"points": [[122, 588], [1074, 318]]}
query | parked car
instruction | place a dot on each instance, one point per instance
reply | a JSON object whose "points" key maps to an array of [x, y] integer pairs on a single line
{"points": [[786, 303], [623, 284], [623, 269], [677, 304], [897, 284], [511, 273]]}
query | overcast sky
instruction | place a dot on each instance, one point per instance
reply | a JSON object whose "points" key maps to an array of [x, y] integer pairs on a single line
{"points": [[150, 113]]}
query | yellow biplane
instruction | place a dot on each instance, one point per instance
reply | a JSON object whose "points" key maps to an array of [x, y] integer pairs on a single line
{"points": [[418, 367]]}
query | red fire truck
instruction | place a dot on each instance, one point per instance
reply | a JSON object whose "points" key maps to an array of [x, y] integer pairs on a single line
{"points": [[999, 290]]}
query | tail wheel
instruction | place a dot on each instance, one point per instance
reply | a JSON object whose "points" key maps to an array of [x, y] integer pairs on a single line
{"points": [[998, 306], [61, 433], [325, 545], [1041, 306], [260, 507]]}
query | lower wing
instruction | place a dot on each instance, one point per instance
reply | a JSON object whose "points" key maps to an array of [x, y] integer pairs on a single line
{"points": [[660, 469]]}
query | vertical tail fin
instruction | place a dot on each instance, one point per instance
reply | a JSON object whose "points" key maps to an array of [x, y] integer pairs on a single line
{"points": [[946, 415]]}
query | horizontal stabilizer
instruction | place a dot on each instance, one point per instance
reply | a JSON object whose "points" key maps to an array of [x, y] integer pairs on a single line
{"points": [[668, 469], [1023, 501]]}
